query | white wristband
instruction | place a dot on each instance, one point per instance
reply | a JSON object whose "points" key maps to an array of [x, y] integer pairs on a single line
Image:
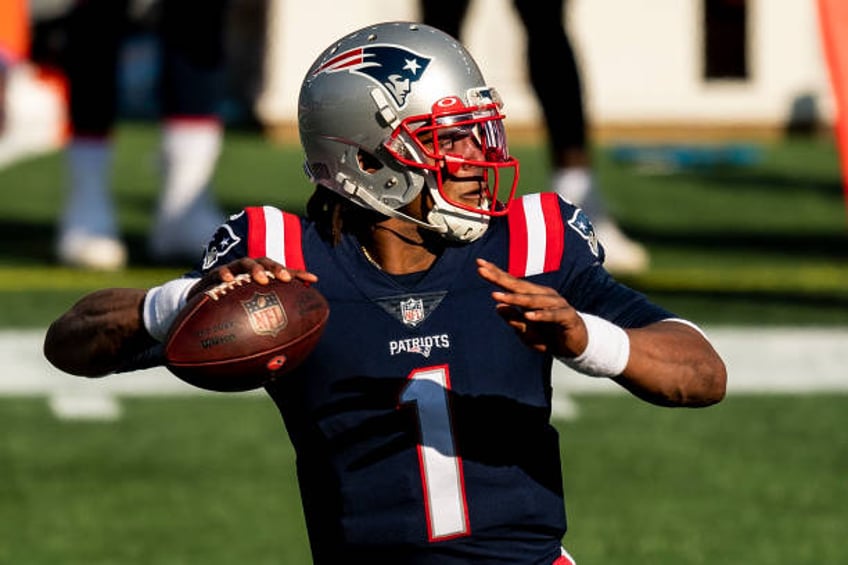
{"points": [[163, 303], [607, 351]]}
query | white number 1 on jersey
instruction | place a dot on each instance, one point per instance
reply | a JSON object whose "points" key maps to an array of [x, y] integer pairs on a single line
{"points": [[441, 466]]}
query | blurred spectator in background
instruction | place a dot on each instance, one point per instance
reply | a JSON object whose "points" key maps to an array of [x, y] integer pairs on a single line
{"points": [[556, 81], [32, 97], [192, 83], [14, 43]]}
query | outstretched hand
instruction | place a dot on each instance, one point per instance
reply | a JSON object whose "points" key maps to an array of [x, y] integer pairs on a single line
{"points": [[541, 317], [260, 270]]}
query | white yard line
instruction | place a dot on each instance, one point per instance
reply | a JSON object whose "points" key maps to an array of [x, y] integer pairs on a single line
{"points": [[28, 373], [759, 360]]}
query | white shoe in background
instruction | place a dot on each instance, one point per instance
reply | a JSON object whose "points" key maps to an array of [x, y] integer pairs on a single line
{"points": [[183, 238], [88, 235], [186, 215], [94, 252], [623, 255]]}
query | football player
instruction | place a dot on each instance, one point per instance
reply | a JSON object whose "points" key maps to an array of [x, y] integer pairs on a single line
{"points": [[422, 419]]}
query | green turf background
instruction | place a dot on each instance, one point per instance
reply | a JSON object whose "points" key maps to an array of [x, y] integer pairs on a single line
{"points": [[760, 244]]}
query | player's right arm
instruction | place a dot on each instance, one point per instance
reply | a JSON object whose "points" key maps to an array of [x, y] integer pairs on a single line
{"points": [[103, 327], [104, 332]]}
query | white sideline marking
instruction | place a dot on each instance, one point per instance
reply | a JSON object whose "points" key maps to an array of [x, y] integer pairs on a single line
{"points": [[28, 373], [89, 407], [759, 361]]}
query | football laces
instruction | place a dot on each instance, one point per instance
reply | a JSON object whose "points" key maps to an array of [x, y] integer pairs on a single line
{"points": [[223, 288]]}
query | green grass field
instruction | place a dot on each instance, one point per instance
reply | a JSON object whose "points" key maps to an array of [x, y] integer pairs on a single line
{"points": [[210, 480], [191, 480]]}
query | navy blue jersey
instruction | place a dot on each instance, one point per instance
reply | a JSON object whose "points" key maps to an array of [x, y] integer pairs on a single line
{"points": [[421, 422]]}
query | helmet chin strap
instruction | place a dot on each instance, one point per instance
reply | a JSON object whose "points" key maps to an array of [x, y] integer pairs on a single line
{"points": [[376, 204], [445, 219]]}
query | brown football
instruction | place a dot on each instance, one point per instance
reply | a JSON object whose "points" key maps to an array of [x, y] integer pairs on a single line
{"points": [[239, 336]]}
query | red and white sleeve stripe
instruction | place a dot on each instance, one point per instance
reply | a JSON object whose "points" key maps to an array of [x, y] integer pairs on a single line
{"points": [[275, 234], [536, 235]]}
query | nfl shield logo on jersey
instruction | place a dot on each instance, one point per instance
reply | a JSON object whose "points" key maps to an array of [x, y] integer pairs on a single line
{"points": [[265, 313], [412, 311]]}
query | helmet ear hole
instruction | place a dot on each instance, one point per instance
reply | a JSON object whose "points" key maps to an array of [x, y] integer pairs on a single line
{"points": [[368, 163]]}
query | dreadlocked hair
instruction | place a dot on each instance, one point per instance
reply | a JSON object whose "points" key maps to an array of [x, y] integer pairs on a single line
{"points": [[335, 215]]}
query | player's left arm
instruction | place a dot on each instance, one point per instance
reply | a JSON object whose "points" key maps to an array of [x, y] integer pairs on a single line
{"points": [[670, 363]]}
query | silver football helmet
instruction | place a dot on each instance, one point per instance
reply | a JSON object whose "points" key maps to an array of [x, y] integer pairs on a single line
{"points": [[377, 114]]}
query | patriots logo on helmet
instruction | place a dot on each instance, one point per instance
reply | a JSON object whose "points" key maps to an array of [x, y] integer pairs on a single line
{"points": [[394, 68]]}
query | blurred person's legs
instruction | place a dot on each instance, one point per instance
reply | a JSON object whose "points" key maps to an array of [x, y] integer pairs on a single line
{"points": [[555, 78], [193, 81], [191, 88], [446, 15], [88, 231]]}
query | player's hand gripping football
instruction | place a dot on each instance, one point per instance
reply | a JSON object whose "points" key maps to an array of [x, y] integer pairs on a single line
{"points": [[542, 318], [258, 269]]}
